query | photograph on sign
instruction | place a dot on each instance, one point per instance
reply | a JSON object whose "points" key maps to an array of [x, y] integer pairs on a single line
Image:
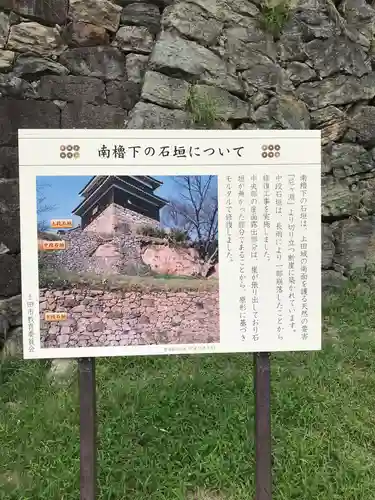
{"points": [[139, 244]]}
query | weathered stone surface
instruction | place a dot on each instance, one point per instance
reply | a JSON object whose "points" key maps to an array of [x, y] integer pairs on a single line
{"points": [[80, 34], [290, 47], [332, 122], [8, 163], [88, 116], [363, 123], [289, 113], [99, 12], [28, 64], [16, 114], [342, 198], [350, 159], [142, 14], [165, 91], [179, 57], [193, 22], [300, 72], [12, 86], [355, 242], [6, 59], [238, 12], [35, 37], [62, 371], [136, 65], [314, 19], [332, 279], [72, 88], [44, 10], [134, 39], [9, 225], [337, 91], [160, 3], [329, 57], [360, 17], [13, 345], [267, 77], [225, 105], [328, 247], [107, 63], [246, 47], [11, 309], [149, 116], [4, 29], [123, 93]]}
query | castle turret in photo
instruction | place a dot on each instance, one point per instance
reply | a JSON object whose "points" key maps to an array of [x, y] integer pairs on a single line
{"points": [[111, 203]]}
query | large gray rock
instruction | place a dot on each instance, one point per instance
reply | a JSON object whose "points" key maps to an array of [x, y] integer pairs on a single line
{"points": [[11, 309], [225, 106], [246, 47], [192, 21], [332, 280], [150, 116], [178, 57], [289, 113], [99, 12], [332, 122], [337, 90], [107, 63], [84, 115], [299, 72], [136, 65], [123, 93], [328, 247], [329, 57], [10, 274], [134, 39], [363, 123], [9, 218], [72, 88], [34, 37], [165, 91], [27, 65], [8, 163], [44, 10], [80, 34], [355, 243], [142, 14], [347, 160], [4, 29], [6, 59], [268, 77], [12, 86], [16, 114]]}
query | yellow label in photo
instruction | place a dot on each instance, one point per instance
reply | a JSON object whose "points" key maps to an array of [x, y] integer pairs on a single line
{"points": [[53, 245], [55, 316], [61, 223]]}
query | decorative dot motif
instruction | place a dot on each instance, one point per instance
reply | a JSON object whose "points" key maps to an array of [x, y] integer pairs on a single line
{"points": [[69, 151], [270, 150]]}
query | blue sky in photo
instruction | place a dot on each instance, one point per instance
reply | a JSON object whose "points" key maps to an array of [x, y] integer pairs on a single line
{"points": [[62, 193]]}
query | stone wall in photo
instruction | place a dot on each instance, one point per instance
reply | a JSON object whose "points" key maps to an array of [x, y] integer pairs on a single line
{"points": [[124, 63], [98, 318]]}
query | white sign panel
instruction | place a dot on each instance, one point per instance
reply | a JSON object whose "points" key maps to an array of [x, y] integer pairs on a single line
{"points": [[141, 242]]}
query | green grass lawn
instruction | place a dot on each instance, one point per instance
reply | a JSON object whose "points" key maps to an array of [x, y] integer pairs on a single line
{"points": [[169, 427]]}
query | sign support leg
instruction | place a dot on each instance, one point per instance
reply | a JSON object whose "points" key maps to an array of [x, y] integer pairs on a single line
{"points": [[263, 457], [87, 403]]}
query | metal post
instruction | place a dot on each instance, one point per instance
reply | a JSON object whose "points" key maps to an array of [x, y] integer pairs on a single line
{"points": [[263, 457], [87, 403]]}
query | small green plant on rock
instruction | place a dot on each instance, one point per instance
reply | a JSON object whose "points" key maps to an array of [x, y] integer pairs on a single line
{"points": [[275, 16], [202, 109]]}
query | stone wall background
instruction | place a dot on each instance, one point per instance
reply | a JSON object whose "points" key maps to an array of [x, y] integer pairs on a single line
{"points": [[130, 317], [121, 63]]}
